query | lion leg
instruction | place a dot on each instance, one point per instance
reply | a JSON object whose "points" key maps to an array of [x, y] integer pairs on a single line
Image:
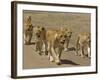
{"points": [[82, 51], [77, 47], [39, 47], [30, 37], [25, 38], [89, 53], [56, 57], [76, 53], [45, 46], [59, 54], [66, 45], [50, 56], [51, 59]]}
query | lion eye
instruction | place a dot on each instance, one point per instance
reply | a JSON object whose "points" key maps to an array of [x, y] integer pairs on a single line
{"points": [[60, 35], [42, 28]]}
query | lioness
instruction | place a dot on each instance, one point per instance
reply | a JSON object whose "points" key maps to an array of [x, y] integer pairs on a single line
{"points": [[55, 40], [40, 36], [83, 44], [28, 30], [68, 33]]}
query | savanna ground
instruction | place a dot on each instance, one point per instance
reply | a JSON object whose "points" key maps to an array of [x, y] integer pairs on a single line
{"points": [[78, 22]]}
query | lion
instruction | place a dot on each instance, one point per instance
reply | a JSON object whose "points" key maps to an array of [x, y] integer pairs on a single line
{"points": [[68, 33], [83, 44], [55, 40], [40, 37], [28, 30]]}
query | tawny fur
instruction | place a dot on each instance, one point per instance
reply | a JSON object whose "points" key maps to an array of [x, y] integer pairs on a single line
{"points": [[82, 44]]}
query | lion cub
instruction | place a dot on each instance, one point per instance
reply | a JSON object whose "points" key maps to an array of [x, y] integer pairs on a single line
{"points": [[82, 44], [55, 40]]}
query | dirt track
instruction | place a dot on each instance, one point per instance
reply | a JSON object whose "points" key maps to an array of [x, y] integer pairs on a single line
{"points": [[78, 22], [34, 60]]}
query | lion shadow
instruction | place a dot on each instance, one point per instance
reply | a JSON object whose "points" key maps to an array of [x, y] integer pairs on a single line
{"points": [[71, 49], [64, 61], [31, 43]]}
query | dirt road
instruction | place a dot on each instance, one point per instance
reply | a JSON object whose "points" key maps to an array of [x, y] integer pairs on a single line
{"points": [[33, 60]]}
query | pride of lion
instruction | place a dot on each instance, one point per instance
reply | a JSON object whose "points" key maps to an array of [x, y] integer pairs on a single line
{"points": [[53, 42]]}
